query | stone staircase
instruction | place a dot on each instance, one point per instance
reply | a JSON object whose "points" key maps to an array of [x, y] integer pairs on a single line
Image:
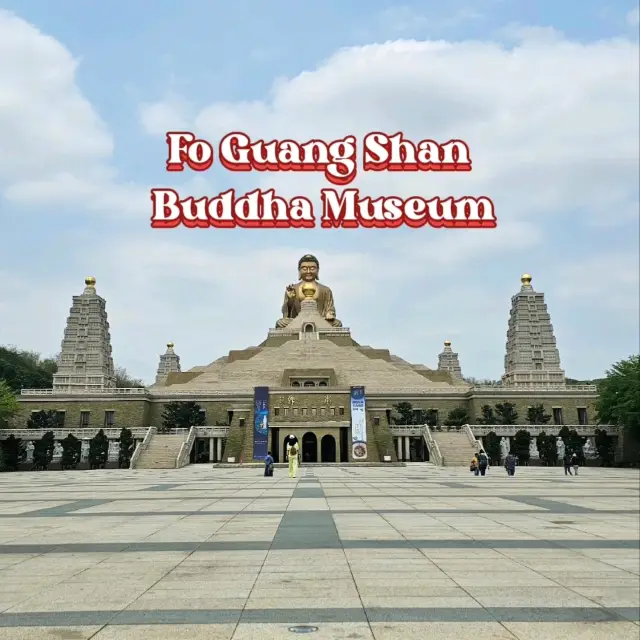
{"points": [[161, 452], [455, 448]]}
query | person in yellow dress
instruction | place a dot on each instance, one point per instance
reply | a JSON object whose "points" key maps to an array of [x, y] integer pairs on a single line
{"points": [[293, 454]]}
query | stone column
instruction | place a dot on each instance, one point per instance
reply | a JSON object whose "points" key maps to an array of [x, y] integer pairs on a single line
{"points": [[211, 450], [219, 448], [407, 448], [399, 448]]}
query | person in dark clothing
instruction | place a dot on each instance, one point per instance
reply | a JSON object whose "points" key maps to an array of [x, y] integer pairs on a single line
{"points": [[268, 465], [510, 464], [567, 465], [483, 462]]}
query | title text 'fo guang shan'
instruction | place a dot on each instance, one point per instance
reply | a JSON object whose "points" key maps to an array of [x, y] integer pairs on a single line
{"points": [[338, 160]]}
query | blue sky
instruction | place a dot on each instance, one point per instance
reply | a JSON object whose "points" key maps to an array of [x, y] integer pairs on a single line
{"points": [[253, 61]]}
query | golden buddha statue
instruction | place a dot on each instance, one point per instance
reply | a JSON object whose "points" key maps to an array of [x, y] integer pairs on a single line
{"points": [[308, 288]]}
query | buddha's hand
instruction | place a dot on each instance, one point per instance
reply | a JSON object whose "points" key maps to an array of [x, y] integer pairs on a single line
{"points": [[330, 316], [282, 323], [291, 291]]}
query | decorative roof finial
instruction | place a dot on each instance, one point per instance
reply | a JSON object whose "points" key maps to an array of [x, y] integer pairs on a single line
{"points": [[90, 281], [170, 345], [447, 343], [526, 279]]}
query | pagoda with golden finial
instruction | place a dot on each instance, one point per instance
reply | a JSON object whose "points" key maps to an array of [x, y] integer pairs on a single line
{"points": [[169, 363], [85, 362], [449, 361], [532, 358]]}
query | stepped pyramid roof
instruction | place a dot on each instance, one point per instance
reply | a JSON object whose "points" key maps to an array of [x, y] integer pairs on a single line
{"points": [[311, 347]]}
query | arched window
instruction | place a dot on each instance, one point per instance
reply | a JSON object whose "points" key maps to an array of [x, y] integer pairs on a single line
{"points": [[322, 383], [309, 328], [309, 383], [295, 383]]}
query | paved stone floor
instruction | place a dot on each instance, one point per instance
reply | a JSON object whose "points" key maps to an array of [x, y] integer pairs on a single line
{"points": [[395, 553]]}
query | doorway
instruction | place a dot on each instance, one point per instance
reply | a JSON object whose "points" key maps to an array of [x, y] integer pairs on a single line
{"points": [[328, 449], [309, 447]]}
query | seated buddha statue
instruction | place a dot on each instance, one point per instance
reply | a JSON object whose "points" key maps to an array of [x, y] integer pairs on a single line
{"points": [[308, 270]]}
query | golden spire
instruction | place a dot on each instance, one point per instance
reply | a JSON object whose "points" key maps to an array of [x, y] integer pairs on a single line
{"points": [[308, 290], [526, 279], [447, 343], [90, 281], [170, 345]]}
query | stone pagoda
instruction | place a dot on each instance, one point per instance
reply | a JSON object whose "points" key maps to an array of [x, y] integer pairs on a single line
{"points": [[169, 363], [449, 361], [532, 358], [85, 363]]}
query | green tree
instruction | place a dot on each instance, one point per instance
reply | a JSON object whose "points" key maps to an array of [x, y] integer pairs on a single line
{"points": [[25, 369], [98, 451], [547, 448], [604, 447], [182, 415], [491, 444], [13, 453], [43, 451], [8, 404], [125, 381], [487, 415], [430, 417], [457, 417], [71, 452], [619, 396], [537, 415], [506, 413], [126, 448], [43, 420], [521, 443]]}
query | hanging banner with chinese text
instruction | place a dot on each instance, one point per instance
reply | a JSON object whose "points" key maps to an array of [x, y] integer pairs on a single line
{"points": [[358, 424], [260, 422]]}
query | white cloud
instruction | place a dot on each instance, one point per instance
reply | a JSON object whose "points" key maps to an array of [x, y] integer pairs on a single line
{"points": [[56, 149], [553, 129]]}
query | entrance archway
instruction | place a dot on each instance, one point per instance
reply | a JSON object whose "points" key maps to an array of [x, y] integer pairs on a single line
{"points": [[309, 447], [328, 449]]}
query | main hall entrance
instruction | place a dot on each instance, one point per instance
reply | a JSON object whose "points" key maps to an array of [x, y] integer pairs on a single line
{"points": [[309, 447], [318, 442], [328, 448]]}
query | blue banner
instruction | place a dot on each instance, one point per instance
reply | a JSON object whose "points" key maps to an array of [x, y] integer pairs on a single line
{"points": [[358, 424], [260, 422]]}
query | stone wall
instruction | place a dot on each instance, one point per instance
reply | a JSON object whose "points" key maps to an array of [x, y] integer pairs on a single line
{"points": [[128, 412], [569, 405]]}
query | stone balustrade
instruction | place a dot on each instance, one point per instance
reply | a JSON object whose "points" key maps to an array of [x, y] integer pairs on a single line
{"points": [[86, 433], [460, 391], [585, 430]]}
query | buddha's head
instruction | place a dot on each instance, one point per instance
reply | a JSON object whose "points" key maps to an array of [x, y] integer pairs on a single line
{"points": [[308, 268]]}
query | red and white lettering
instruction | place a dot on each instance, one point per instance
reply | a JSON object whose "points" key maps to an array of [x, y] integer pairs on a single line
{"points": [[348, 210], [337, 159], [396, 153], [185, 148]]}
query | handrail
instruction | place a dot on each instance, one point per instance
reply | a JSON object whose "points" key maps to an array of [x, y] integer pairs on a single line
{"points": [[185, 449], [434, 449], [142, 447], [473, 441]]}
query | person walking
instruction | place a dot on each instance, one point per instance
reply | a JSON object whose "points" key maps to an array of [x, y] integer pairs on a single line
{"points": [[510, 464], [567, 465], [575, 463], [293, 453], [483, 462], [268, 465], [473, 467]]}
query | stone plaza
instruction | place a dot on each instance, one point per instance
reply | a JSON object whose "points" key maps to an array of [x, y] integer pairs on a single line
{"points": [[385, 553]]}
